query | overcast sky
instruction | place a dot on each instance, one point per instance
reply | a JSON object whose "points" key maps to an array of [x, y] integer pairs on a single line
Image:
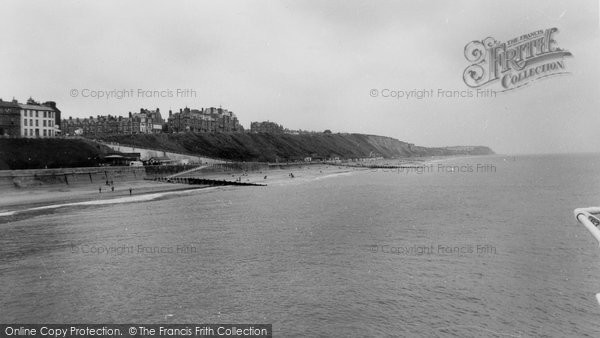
{"points": [[310, 65]]}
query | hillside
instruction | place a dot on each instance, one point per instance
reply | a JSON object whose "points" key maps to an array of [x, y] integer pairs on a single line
{"points": [[284, 147], [21, 153]]}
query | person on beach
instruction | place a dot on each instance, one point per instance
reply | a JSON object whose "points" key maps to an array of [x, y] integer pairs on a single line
{"points": [[112, 188], [129, 191], [99, 190]]}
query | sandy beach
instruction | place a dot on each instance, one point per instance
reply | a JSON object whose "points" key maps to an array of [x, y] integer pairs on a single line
{"points": [[52, 194], [276, 175]]}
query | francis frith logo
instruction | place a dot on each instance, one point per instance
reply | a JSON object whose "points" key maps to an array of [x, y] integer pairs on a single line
{"points": [[515, 63]]}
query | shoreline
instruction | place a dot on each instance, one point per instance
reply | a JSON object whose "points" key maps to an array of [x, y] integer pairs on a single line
{"points": [[23, 199], [42, 197]]}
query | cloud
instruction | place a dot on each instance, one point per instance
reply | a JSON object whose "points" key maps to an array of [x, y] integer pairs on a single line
{"points": [[308, 64]]}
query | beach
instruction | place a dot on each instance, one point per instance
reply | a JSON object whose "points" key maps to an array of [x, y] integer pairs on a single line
{"points": [[19, 199], [275, 175], [49, 195], [46, 194]]}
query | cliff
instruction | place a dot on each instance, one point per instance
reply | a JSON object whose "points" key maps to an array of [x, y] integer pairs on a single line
{"points": [[21, 153], [288, 147]]}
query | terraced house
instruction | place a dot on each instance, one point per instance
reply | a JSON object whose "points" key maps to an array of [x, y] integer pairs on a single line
{"points": [[144, 122]]}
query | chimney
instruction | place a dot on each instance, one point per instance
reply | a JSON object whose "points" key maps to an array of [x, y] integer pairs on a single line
{"points": [[50, 104], [170, 113]]}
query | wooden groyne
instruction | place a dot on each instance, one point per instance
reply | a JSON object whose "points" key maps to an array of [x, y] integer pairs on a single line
{"points": [[204, 181]]}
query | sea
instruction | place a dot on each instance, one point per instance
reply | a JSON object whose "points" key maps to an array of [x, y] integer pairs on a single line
{"points": [[473, 247]]}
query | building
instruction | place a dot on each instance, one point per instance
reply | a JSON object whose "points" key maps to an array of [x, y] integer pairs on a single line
{"points": [[266, 127], [154, 119], [209, 120], [57, 112], [10, 119], [144, 122], [117, 159], [205, 120], [35, 119], [38, 120]]}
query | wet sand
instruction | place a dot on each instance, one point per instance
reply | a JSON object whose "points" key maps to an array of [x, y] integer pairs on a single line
{"points": [[276, 175], [52, 194]]}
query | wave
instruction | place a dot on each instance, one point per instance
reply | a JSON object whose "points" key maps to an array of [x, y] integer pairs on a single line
{"points": [[345, 173]]}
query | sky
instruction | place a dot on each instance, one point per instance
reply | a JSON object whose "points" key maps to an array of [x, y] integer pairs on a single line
{"points": [[309, 64]]}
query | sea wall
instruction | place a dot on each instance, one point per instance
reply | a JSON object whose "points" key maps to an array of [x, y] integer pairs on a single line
{"points": [[32, 178]]}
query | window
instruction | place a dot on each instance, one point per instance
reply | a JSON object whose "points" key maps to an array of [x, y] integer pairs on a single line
{"points": [[44, 123], [25, 113], [44, 132], [36, 122], [31, 122], [36, 113], [25, 122], [30, 132], [45, 114]]}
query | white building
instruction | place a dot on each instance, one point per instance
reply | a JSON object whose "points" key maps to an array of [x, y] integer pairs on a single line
{"points": [[37, 121]]}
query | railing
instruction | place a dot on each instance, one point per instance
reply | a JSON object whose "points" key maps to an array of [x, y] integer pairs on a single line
{"points": [[586, 217]]}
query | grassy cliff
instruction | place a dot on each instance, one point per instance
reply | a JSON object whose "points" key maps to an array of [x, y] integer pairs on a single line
{"points": [[21, 153], [65, 153], [283, 147]]}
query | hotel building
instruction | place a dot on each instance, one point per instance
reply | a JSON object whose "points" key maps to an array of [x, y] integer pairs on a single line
{"points": [[34, 120], [204, 120]]}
